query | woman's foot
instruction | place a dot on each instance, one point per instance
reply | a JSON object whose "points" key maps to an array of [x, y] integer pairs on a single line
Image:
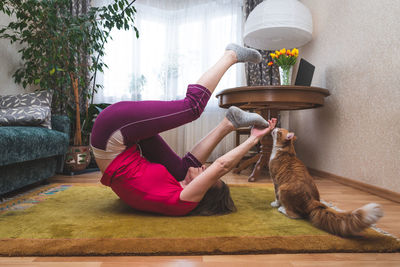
{"points": [[244, 54], [240, 118]]}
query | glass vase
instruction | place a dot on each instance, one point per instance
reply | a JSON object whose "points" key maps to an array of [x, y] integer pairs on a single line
{"points": [[285, 74]]}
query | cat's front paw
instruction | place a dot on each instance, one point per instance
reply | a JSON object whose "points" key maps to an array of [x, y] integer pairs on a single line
{"points": [[282, 210], [275, 204]]}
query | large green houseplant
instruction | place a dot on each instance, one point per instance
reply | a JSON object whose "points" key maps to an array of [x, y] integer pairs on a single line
{"points": [[62, 50]]}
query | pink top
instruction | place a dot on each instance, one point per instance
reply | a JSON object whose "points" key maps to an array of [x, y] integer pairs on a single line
{"points": [[144, 185]]}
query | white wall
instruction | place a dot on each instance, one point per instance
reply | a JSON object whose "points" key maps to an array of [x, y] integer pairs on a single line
{"points": [[10, 60], [355, 49]]}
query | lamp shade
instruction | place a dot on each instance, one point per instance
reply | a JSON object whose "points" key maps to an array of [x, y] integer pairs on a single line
{"points": [[276, 24]]}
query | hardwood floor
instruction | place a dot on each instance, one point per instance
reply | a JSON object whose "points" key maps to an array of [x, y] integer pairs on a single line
{"points": [[343, 197]]}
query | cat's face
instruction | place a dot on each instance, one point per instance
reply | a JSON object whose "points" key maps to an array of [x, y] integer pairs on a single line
{"points": [[282, 137]]}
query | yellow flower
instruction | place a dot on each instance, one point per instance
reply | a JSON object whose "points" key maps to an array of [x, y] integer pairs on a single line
{"points": [[273, 55], [295, 51], [270, 63], [277, 53], [283, 51]]}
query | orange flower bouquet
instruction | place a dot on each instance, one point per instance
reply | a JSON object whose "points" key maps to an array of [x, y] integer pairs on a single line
{"points": [[285, 59]]}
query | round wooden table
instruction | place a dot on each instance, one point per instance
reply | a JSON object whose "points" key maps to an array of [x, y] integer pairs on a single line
{"points": [[268, 101]]}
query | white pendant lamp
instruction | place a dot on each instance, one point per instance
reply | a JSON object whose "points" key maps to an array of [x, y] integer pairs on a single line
{"points": [[276, 24]]}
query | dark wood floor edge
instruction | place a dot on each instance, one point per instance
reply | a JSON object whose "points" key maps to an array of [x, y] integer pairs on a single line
{"points": [[381, 192], [373, 242]]}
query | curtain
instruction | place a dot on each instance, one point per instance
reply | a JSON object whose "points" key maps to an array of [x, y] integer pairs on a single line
{"points": [[260, 74], [79, 6], [179, 40]]}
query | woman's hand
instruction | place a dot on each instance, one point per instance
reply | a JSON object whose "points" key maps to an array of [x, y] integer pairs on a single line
{"points": [[259, 133]]}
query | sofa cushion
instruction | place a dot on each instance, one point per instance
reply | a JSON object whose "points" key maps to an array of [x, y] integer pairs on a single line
{"points": [[19, 143], [60, 123], [29, 115], [14, 109]]}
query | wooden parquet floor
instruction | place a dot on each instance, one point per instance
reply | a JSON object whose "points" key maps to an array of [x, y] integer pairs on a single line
{"points": [[343, 197]]}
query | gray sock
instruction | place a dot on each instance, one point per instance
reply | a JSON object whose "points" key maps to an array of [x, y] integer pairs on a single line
{"points": [[240, 118], [245, 54]]}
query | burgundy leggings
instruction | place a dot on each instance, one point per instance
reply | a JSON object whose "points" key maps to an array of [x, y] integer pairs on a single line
{"points": [[140, 122]]}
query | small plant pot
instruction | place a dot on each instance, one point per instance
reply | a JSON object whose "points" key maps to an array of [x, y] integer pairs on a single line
{"points": [[77, 158]]}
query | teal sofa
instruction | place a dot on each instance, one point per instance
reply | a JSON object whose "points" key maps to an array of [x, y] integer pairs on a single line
{"points": [[31, 154]]}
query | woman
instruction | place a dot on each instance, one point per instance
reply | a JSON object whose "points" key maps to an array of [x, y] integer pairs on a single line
{"points": [[146, 174]]}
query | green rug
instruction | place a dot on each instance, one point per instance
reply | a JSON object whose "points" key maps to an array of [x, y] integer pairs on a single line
{"points": [[78, 220]]}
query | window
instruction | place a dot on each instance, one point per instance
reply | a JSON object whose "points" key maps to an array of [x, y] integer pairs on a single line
{"points": [[175, 46]]}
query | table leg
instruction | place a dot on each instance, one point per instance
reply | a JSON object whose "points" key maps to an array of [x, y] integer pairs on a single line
{"points": [[263, 161], [247, 163], [265, 149]]}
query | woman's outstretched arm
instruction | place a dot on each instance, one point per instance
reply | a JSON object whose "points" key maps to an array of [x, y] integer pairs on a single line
{"points": [[197, 188]]}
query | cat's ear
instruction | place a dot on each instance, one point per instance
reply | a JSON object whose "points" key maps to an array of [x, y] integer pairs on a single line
{"points": [[290, 136]]}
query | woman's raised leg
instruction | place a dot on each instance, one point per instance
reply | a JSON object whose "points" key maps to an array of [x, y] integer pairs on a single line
{"points": [[234, 119], [233, 54], [202, 150], [213, 75], [144, 119], [155, 149], [138, 120]]}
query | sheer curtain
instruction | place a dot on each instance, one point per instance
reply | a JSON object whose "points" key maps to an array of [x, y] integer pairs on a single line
{"points": [[179, 40]]}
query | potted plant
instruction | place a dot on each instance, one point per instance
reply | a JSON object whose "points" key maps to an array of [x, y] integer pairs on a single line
{"points": [[62, 52]]}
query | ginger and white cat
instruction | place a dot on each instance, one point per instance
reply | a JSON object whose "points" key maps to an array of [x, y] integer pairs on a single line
{"points": [[297, 195]]}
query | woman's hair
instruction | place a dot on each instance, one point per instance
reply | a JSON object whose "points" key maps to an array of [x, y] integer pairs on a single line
{"points": [[216, 201]]}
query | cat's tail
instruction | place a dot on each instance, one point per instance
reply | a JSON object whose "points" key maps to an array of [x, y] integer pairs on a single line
{"points": [[344, 223]]}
